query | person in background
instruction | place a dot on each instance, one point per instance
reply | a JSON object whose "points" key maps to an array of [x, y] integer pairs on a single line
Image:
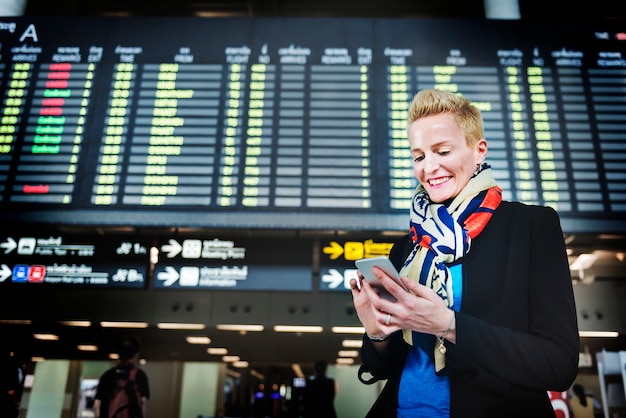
{"points": [[319, 394], [10, 383], [489, 323], [128, 351], [581, 404]]}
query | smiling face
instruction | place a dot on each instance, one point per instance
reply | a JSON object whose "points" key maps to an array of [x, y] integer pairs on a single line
{"points": [[443, 162]]}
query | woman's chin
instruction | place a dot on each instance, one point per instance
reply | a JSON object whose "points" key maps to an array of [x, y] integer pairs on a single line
{"points": [[439, 195]]}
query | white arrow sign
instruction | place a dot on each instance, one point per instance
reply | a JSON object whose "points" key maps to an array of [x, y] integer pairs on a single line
{"points": [[9, 245], [169, 276], [5, 272], [334, 279], [172, 249]]}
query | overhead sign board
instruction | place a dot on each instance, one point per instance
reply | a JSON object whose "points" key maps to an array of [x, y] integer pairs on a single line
{"points": [[32, 259], [242, 264], [338, 257]]}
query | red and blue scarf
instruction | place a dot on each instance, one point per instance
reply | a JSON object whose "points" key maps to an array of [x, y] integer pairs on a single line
{"points": [[443, 234]]}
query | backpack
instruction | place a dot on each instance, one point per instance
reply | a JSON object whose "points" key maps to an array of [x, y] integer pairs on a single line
{"points": [[126, 400]]}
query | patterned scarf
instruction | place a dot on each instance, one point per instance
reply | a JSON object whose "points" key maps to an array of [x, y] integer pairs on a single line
{"points": [[443, 234]]}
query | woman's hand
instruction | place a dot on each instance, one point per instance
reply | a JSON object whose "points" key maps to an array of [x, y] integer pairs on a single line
{"points": [[365, 299], [420, 309]]}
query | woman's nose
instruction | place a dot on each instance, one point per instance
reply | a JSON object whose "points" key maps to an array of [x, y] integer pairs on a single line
{"points": [[430, 164]]}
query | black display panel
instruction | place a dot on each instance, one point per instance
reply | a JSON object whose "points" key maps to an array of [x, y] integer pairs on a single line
{"points": [[298, 122]]}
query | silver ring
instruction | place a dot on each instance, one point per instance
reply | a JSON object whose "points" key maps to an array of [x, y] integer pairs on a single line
{"points": [[388, 321]]}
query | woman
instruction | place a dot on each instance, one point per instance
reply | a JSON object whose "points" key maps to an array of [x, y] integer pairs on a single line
{"points": [[489, 325]]}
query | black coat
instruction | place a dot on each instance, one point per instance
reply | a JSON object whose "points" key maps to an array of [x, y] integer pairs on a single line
{"points": [[516, 333]]}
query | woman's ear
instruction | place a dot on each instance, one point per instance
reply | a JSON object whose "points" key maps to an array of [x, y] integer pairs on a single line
{"points": [[481, 148]]}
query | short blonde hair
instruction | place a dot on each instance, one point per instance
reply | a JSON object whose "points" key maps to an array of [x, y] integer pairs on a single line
{"points": [[431, 102]]}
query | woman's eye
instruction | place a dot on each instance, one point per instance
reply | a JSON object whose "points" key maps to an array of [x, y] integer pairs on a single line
{"points": [[444, 152], [418, 158]]}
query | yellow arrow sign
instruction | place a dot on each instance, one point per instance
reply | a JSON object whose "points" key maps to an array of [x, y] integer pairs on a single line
{"points": [[353, 250], [334, 249]]}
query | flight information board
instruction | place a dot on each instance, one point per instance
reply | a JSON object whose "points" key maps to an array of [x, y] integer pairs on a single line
{"points": [[298, 122]]}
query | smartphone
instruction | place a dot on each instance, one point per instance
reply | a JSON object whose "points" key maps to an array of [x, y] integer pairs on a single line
{"points": [[364, 265]]}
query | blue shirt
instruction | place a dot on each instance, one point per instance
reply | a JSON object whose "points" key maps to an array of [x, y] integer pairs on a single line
{"points": [[422, 393]]}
